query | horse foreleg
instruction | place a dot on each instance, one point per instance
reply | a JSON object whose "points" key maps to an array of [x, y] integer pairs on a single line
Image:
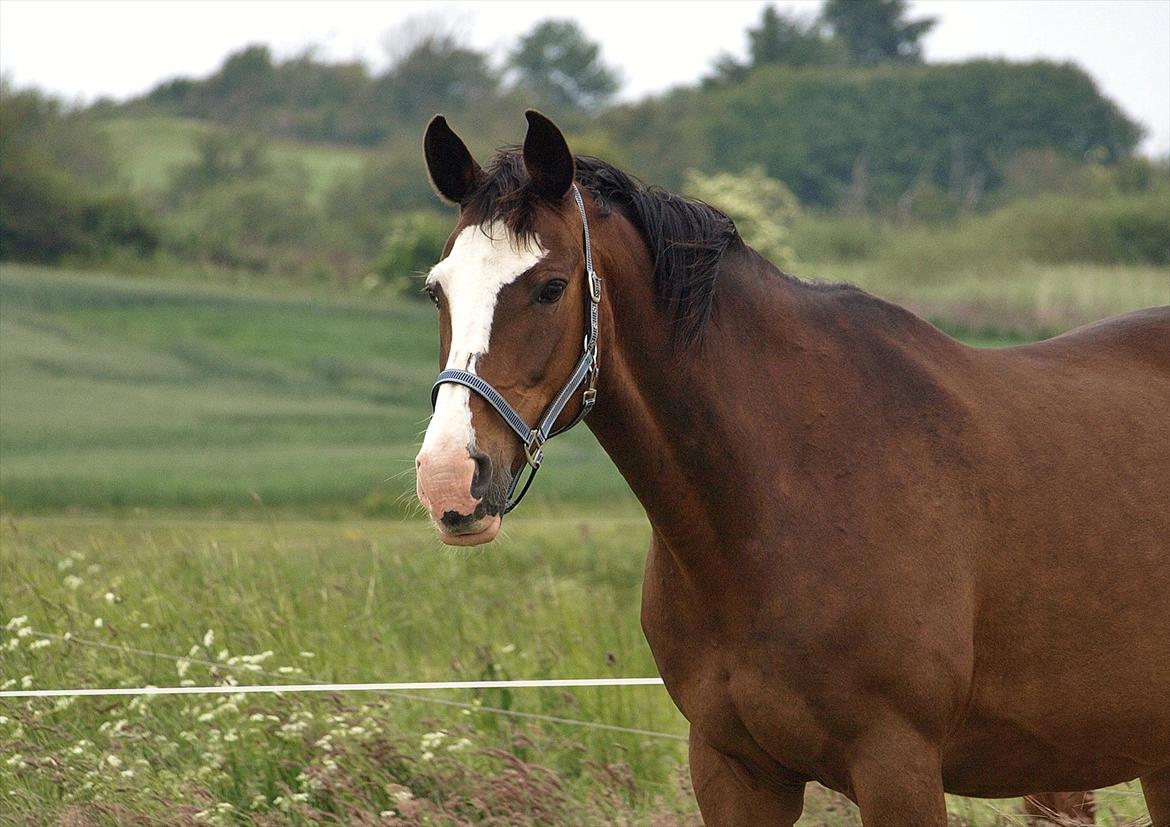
{"points": [[729, 796], [1156, 789], [897, 781]]}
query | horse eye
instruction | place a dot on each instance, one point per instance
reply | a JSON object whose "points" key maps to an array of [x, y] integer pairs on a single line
{"points": [[551, 292], [430, 291]]}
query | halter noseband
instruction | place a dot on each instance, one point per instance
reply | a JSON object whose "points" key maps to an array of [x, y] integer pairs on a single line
{"points": [[533, 439]]}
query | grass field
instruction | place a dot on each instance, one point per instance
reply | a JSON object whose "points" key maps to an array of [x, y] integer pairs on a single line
{"points": [[344, 601], [161, 448], [152, 146], [127, 394]]}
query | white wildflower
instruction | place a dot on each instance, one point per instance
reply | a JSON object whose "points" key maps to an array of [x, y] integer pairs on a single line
{"points": [[208, 639], [39, 644], [98, 623], [308, 654], [16, 622], [72, 582], [26, 682], [114, 761], [111, 597], [182, 665], [508, 648]]}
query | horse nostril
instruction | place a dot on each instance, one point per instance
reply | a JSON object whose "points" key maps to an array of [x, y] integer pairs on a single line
{"points": [[482, 477]]}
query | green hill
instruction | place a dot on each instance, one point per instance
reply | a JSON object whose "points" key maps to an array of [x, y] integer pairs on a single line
{"points": [[124, 393], [120, 393], [150, 147]]}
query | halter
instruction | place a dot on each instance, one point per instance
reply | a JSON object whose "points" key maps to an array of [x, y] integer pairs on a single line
{"points": [[533, 439]]}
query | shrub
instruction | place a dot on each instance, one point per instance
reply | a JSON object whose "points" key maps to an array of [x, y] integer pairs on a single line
{"points": [[56, 178], [412, 246], [258, 225], [1118, 230], [762, 208], [821, 237]]}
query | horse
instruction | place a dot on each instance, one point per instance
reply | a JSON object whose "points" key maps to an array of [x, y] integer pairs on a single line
{"points": [[881, 560]]}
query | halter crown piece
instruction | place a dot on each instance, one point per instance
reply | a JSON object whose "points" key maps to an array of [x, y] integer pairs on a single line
{"points": [[585, 371]]}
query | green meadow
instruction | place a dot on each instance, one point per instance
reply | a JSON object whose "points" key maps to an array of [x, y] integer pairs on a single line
{"points": [[152, 147], [209, 484], [121, 394], [207, 601]]}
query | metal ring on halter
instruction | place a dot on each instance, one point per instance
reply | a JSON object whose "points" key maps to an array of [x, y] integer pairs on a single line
{"points": [[533, 439]]}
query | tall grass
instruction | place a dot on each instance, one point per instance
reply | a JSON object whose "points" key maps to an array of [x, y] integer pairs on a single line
{"points": [[346, 602], [287, 601], [1032, 269]]}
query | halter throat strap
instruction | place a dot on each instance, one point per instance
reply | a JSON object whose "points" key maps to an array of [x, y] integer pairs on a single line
{"points": [[533, 438]]}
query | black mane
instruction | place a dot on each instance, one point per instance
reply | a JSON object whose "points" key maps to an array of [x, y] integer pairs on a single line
{"points": [[687, 238]]}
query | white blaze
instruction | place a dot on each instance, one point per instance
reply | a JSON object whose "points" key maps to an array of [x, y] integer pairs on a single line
{"points": [[482, 261]]}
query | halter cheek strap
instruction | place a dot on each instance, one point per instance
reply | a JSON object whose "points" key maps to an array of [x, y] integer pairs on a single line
{"points": [[533, 439]]}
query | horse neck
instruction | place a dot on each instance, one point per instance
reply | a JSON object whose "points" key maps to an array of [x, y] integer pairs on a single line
{"points": [[681, 423]]}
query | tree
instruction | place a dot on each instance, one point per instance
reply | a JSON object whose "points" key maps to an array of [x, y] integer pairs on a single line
{"points": [[876, 30], [785, 39], [791, 40], [437, 72], [58, 185], [562, 68], [954, 126]]}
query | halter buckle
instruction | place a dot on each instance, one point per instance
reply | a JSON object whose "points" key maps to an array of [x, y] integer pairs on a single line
{"points": [[534, 449]]}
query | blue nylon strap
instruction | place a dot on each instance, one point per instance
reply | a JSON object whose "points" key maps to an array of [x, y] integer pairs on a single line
{"points": [[489, 394], [533, 439]]}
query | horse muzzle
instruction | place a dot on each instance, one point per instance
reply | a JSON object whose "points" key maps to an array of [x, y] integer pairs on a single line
{"points": [[452, 486]]}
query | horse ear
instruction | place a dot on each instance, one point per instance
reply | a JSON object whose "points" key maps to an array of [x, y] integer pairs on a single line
{"points": [[546, 157], [454, 173]]}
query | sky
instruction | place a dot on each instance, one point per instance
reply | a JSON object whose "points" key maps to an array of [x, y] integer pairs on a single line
{"points": [[85, 49]]}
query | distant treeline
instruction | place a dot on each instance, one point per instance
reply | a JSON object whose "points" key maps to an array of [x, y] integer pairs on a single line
{"points": [[840, 109], [840, 125], [874, 138]]}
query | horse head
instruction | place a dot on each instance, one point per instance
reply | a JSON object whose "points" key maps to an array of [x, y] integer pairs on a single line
{"points": [[514, 300]]}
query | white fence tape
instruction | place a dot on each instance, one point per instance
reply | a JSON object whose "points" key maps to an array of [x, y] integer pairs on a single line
{"points": [[478, 708], [245, 689]]}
